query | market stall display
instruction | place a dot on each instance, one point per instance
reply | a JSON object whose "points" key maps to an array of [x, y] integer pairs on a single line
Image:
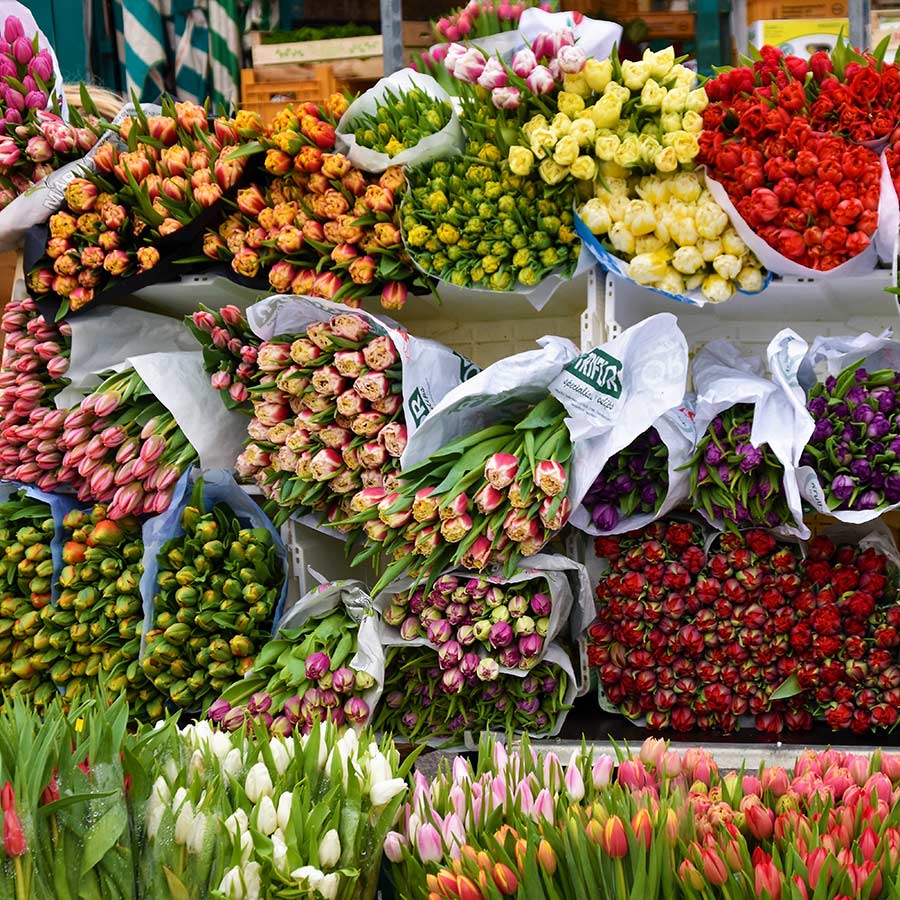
{"points": [[656, 532]]}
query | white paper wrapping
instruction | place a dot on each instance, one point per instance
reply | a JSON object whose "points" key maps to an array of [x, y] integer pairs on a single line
{"points": [[449, 141]]}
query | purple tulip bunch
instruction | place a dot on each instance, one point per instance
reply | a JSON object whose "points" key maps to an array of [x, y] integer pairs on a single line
{"points": [[414, 704], [34, 140], [855, 442], [464, 618], [301, 677], [731, 480], [633, 482]]}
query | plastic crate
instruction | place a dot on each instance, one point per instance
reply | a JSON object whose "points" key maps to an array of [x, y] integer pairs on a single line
{"points": [[810, 307], [269, 97]]}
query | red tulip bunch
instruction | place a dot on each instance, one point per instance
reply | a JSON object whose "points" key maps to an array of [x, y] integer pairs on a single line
{"points": [[35, 360], [692, 639], [113, 219], [784, 147]]}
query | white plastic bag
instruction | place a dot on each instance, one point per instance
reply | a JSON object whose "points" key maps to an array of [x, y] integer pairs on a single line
{"points": [[354, 598], [449, 141], [723, 378], [572, 603], [102, 336], [676, 430], [612, 394], [799, 367], [596, 37], [883, 244]]}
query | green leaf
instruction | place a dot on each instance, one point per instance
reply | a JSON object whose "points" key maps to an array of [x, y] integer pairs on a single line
{"points": [[103, 835], [176, 886], [790, 687]]}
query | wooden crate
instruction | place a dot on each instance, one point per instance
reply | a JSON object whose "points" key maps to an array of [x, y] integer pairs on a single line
{"points": [[417, 38], [269, 96], [796, 9], [315, 51], [819, 522]]}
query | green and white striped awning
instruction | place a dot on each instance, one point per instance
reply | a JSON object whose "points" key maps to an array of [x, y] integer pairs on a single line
{"points": [[191, 48]]}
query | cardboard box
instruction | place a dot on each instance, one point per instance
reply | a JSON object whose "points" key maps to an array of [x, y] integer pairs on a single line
{"points": [[316, 51], [800, 37], [760, 10]]}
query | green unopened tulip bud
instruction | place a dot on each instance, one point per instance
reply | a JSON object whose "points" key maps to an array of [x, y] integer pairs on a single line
{"points": [[186, 596], [133, 552], [364, 681], [207, 530], [213, 550], [175, 557], [190, 518], [482, 629], [186, 575], [186, 615], [523, 626], [177, 633], [219, 650], [110, 568], [241, 646], [253, 592], [542, 625], [499, 614]]}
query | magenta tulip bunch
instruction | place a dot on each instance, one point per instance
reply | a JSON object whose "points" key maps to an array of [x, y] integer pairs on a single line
{"points": [[328, 418], [123, 447], [230, 351], [493, 496], [35, 360], [34, 140], [465, 618]]}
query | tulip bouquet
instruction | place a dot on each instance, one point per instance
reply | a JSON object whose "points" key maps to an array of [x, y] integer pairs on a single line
{"points": [[34, 364], [400, 121], [473, 222], [26, 569], [420, 704], [465, 618], [301, 816], [62, 775], [122, 447], [672, 234], [494, 496], [523, 824], [230, 350], [610, 117], [328, 417], [219, 584], [855, 442], [35, 140], [117, 217], [482, 18], [779, 135], [303, 676], [695, 639], [92, 635], [634, 481], [734, 482]]}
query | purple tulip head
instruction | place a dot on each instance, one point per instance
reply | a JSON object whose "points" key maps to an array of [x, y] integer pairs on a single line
{"points": [[317, 664], [439, 631], [501, 635], [649, 495], [356, 710], [842, 487], [487, 670], [856, 394], [452, 681], [824, 428], [892, 488], [468, 665], [725, 472], [446, 584], [817, 406], [550, 684], [843, 454], [541, 604], [887, 399], [878, 427], [605, 516], [529, 706], [477, 587], [394, 700], [867, 500], [218, 710], [510, 657], [450, 654], [861, 469], [531, 645], [281, 725], [234, 718], [410, 628], [517, 605], [417, 602], [465, 634], [293, 709], [337, 716], [863, 413], [260, 702], [343, 680], [713, 454], [409, 720], [456, 613], [861, 375]]}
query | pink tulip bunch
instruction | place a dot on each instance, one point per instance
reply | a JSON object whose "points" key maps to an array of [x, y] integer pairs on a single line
{"points": [[35, 360], [123, 447], [328, 418], [461, 616], [480, 18], [230, 351], [34, 140], [655, 823], [494, 496]]}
